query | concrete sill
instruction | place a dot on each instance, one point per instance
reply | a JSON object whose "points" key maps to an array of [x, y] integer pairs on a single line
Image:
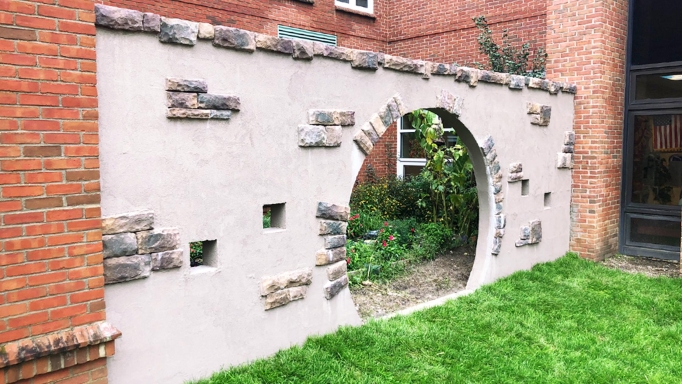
{"points": [[355, 12], [273, 230]]}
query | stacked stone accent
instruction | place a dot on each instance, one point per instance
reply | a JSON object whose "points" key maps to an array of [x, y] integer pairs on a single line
{"points": [[284, 288], [133, 248], [450, 102], [494, 173], [565, 157], [530, 234], [189, 99], [333, 227], [515, 172], [176, 31], [324, 127], [379, 122], [540, 114]]}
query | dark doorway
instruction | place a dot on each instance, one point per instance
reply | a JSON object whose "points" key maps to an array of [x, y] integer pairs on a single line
{"points": [[652, 169]]}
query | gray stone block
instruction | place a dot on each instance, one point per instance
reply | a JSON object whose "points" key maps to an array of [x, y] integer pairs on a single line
{"points": [[521, 243], [535, 232], [498, 208], [450, 102], [370, 133], [312, 136], [181, 100], [221, 102], [564, 160], [401, 64], [331, 117], [515, 177], [363, 142], [365, 60], [274, 44], [535, 83], [332, 211], [494, 77], [499, 197], [517, 82], [497, 246], [333, 227], [386, 116], [334, 136], [440, 69], [515, 167], [206, 31], [467, 75], [567, 149], [303, 50], [392, 107], [533, 108], [270, 284], [569, 138], [488, 144], [186, 85], [570, 88], [128, 222], [337, 270], [185, 113], [284, 297], [167, 260], [330, 256], [333, 288], [127, 268], [118, 18], [500, 221], [525, 233], [499, 233], [234, 38], [178, 31], [491, 156], [331, 242], [158, 240], [151, 22], [121, 244], [402, 108], [378, 124], [220, 115], [332, 52]]}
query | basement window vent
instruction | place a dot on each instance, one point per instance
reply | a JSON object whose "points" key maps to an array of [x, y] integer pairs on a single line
{"points": [[302, 34]]}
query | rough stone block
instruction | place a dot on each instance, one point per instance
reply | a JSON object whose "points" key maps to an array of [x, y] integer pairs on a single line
{"points": [[127, 268], [491, 156], [118, 18], [378, 124], [401, 64], [181, 100], [467, 75], [497, 178], [331, 117], [185, 113], [535, 83], [274, 44], [158, 240], [331, 242], [495, 167], [167, 260], [521, 243], [330, 256], [498, 208], [517, 82], [515, 167], [332, 211], [220, 102], [303, 50], [570, 88], [497, 246], [151, 22], [500, 221], [297, 293], [370, 133], [535, 232], [365, 60], [234, 38], [333, 227], [270, 284], [569, 138], [564, 160], [220, 115], [402, 108], [206, 31], [440, 69], [450, 102], [333, 288], [497, 187], [488, 144], [494, 77], [337, 270], [514, 177], [128, 222], [499, 197], [525, 232], [284, 297], [392, 107], [334, 136], [567, 149], [121, 244], [499, 233], [332, 52], [386, 116], [312, 136], [186, 85], [363, 142], [178, 31], [533, 108]]}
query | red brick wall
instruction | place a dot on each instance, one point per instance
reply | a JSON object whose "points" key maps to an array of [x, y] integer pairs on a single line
{"points": [[51, 261], [443, 31], [382, 160], [586, 45]]}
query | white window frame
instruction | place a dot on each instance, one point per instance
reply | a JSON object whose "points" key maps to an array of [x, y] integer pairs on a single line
{"points": [[353, 5], [403, 161]]}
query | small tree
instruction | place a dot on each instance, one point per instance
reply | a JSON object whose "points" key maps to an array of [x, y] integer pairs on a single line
{"points": [[507, 58]]}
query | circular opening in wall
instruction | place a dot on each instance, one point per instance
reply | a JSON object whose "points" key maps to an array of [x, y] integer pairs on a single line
{"points": [[414, 222]]}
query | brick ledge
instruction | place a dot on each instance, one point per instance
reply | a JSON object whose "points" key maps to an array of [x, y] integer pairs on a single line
{"points": [[19, 351]]}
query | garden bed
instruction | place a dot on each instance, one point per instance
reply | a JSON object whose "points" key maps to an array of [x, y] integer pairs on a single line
{"points": [[446, 274], [643, 265]]}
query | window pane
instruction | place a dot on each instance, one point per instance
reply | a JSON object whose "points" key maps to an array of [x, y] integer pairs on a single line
{"points": [[412, 170], [342, 1], [409, 147], [656, 31], [657, 160], [661, 86], [653, 231], [361, 3]]}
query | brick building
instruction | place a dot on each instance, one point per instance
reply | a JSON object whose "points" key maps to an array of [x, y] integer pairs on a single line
{"points": [[627, 179]]}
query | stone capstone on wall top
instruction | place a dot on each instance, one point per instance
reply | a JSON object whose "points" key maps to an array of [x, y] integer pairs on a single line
{"points": [[275, 44], [234, 38], [158, 240], [517, 82], [206, 31], [127, 268], [332, 52], [118, 18], [303, 50], [178, 31], [151, 22], [467, 75], [494, 77], [121, 244], [128, 222], [365, 60]]}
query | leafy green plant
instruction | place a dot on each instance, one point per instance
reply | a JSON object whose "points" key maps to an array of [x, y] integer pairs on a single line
{"points": [[267, 216], [431, 239], [196, 253], [507, 58], [360, 223], [390, 198]]}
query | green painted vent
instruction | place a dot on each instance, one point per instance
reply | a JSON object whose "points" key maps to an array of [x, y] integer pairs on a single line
{"points": [[296, 33]]}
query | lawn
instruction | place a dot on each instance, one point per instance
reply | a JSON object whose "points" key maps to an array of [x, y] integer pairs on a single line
{"points": [[570, 321]]}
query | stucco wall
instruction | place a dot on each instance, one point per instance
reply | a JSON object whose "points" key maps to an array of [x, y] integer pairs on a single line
{"points": [[211, 178]]}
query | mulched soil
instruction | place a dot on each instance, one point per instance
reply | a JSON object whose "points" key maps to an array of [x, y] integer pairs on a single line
{"points": [[646, 266], [444, 275]]}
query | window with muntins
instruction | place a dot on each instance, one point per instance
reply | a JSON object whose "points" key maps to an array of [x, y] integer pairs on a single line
{"points": [[411, 157], [366, 6]]}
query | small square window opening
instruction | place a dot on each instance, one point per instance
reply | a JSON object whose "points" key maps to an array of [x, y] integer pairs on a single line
{"points": [[525, 187], [274, 216], [548, 199], [203, 253]]}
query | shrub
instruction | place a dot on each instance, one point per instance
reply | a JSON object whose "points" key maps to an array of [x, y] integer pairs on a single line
{"points": [[391, 198], [361, 222], [431, 239], [405, 229]]}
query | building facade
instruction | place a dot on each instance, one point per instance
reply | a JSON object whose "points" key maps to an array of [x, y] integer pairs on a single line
{"points": [[627, 176]]}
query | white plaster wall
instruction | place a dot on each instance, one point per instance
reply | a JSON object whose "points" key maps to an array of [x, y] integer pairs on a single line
{"points": [[211, 179]]}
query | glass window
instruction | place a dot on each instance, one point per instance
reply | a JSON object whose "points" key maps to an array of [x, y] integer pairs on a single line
{"points": [[360, 5], [655, 231], [411, 156], [656, 31], [657, 160], [658, 86]]}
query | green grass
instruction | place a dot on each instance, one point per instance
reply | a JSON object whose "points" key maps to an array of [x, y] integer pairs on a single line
{"points": [[570, 321]]}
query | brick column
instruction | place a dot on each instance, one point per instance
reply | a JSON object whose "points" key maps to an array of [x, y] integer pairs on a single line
{"points": [[586, 42], [51, 276]]}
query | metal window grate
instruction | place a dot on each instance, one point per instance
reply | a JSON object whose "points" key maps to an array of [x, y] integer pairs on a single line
{"points": [[297, 33]]}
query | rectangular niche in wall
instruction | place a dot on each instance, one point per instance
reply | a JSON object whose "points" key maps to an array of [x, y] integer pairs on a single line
{"points": [[525, 187], [203, 253], [274, 216], [548, 199]]}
